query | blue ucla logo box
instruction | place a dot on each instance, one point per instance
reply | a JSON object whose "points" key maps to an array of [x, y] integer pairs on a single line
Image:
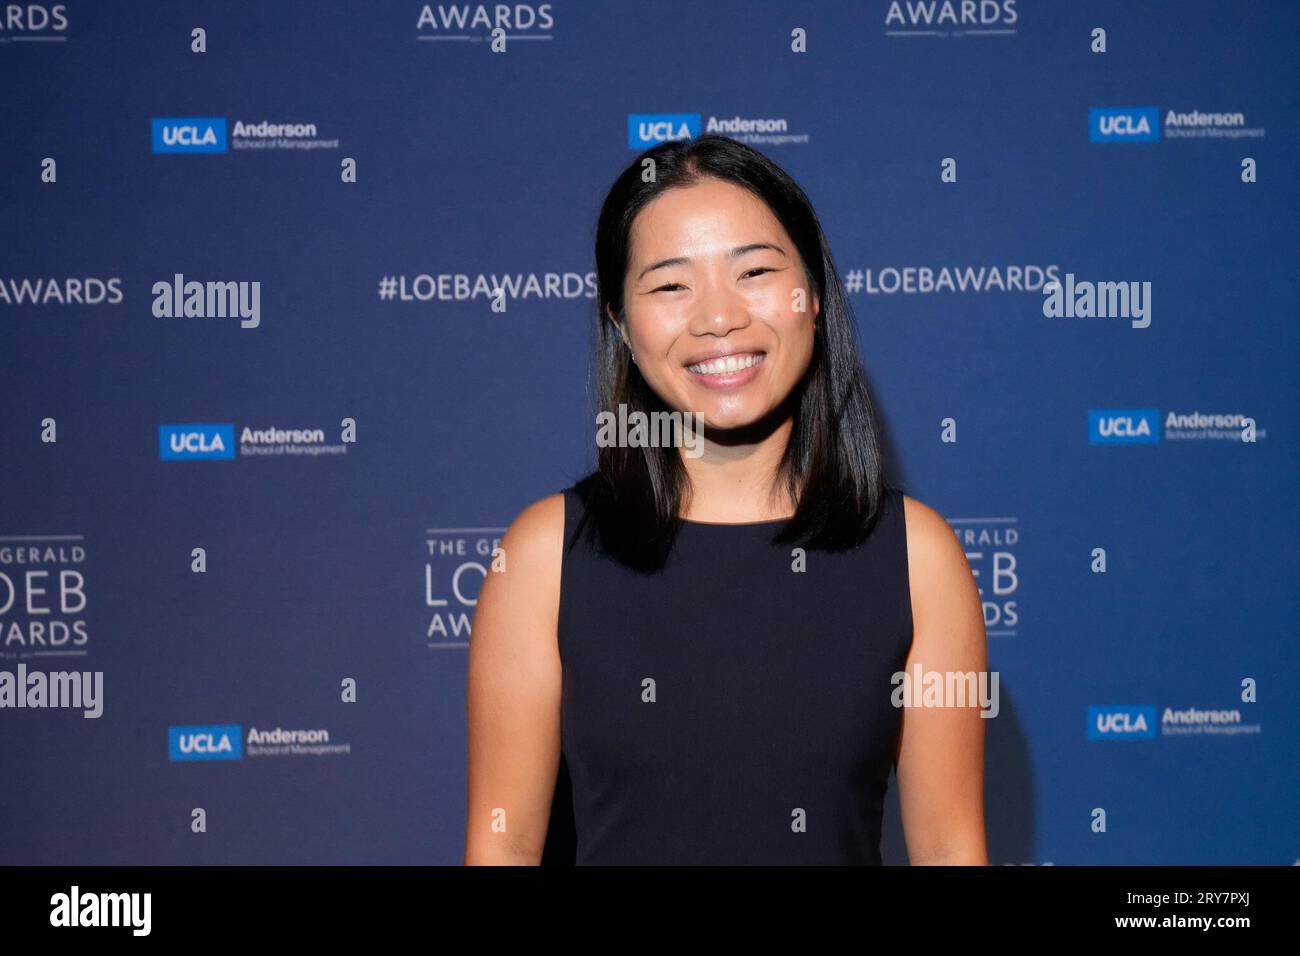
{"points": [[189, 134], [650, 129], [196, 441], [205, 742], [1121, 723], [1123, 426], [1126, 124]]}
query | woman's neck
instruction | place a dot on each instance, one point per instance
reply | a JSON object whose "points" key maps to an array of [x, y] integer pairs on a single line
{"points": [[734, 480]]}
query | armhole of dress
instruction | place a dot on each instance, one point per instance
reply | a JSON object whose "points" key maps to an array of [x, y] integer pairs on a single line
{"points": [[565, 531], [910, 631]]}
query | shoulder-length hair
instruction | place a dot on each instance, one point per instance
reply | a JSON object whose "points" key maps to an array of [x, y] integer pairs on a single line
{"points": [[833, 464]]}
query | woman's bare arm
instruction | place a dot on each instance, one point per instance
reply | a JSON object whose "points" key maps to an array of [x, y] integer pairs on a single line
{"points": [[513, 694], [941, 749]]}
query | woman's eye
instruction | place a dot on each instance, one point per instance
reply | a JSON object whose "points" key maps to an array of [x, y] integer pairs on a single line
{"points": [[671, 286], [760, 270]]}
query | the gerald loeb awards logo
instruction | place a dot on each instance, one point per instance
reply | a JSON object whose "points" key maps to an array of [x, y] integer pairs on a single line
{"points": [[43, 596]]}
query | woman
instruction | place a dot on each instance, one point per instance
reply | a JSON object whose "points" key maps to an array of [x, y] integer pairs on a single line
{"points": [[712, 640]]}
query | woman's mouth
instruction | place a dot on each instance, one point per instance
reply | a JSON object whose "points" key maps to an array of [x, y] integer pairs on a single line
{"points": [[729, 371]]}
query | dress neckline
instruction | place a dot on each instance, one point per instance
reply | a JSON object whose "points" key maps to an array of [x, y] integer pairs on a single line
{"points": [[735, 524]]}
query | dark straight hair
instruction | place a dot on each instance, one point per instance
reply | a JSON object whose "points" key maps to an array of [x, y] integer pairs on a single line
{"points": [[833, 464]]}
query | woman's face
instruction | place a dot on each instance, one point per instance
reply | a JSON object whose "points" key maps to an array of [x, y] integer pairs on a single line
{"points": [[719, 312]]}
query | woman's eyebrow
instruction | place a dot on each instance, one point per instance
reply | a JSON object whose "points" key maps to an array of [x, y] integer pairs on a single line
{"points": [[733, 254]]}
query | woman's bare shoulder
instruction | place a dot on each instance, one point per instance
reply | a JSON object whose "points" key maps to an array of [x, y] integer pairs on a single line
{"points": [[523, 583], [542, 517], [943, 589], [538, 530], [932, 547]]}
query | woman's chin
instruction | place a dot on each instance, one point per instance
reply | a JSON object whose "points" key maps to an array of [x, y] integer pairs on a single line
{"points": [[730, 419]]}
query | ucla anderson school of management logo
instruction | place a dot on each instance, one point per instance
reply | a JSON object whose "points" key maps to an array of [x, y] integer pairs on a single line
{"points": [[1145, 124], [1146, 426], [209, 134], [227, 742], [645, 130], [219, 442], [1146, 722]]}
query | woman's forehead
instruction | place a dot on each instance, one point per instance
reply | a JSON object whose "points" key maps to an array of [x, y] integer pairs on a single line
{"points": [[700, 221]]}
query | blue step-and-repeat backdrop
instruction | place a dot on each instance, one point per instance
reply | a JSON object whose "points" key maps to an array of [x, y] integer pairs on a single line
{"points": [[264, 413]]}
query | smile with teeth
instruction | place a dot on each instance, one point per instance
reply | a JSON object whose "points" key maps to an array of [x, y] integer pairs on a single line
{"points": [[724, 366]]}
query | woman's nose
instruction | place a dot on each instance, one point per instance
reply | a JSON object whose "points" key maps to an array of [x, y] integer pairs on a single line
{"points": [[719, 310]]}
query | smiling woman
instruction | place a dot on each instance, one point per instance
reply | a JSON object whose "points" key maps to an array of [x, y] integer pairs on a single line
{"points": [[709, 642]]}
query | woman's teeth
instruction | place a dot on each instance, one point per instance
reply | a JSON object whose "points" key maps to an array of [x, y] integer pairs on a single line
{"points": [[732, 363]]}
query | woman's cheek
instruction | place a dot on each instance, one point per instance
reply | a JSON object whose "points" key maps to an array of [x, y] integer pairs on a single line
{"points": [[648, 329], [783, 302], [660, 315], [801, 303]]}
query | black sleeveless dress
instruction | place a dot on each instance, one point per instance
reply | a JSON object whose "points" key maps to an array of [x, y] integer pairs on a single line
{"points": [[731, 710]]}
